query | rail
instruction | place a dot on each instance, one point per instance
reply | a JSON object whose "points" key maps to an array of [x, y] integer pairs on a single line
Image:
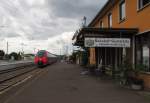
{"points": [[13, 71]]}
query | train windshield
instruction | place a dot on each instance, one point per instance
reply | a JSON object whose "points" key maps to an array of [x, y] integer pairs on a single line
{"points": [[41, 53]]}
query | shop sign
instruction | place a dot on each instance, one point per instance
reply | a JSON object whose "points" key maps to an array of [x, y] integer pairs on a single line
{"points": [[107, 42]]}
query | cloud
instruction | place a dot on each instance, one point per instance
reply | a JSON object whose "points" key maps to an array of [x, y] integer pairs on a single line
{"points": [[60, 42], [75, 8], [43, 21]]}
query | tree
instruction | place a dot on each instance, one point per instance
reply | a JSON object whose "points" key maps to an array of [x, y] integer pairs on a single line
{"points": [[14, 55], [19, 56], [73, 56], [2, 53]]}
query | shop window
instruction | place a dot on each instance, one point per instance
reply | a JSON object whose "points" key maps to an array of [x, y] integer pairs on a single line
{"points": [[122, 10], [146, 57], [143, 3], [110, 20]]}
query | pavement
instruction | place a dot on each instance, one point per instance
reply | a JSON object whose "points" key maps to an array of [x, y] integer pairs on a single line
{"points": [[63, 83]]}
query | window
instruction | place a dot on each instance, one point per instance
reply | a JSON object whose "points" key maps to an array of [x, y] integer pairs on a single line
{"points": [[142, 3], [122, 10], [110, 20], [101, 24], [146, 56], [143, 53], [41, 53]]}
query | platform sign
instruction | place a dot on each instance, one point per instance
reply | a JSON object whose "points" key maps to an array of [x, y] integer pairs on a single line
{"points": [[107, 42]]}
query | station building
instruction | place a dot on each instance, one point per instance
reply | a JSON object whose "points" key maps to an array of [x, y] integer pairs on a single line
{"points": [[119, 32]]}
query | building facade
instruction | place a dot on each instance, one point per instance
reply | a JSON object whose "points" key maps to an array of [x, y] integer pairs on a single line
{"points": [[121, 32]]}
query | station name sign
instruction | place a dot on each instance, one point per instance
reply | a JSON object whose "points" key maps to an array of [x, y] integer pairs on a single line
{"points": [[107, 42]]}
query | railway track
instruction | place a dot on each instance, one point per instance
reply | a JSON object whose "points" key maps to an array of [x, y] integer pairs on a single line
{"points": [[10, 77]]}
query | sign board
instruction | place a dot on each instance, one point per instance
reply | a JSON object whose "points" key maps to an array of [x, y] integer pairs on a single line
{"points": [[107, 42]]}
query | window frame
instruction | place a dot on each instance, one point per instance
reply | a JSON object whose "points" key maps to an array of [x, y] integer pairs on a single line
{"points": [[139, 7], [144, 49], [101, 24], [141, 43], [110, 21], [121, 18]]}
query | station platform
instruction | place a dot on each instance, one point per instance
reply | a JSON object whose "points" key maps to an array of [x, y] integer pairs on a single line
{"points": [[63, 83]]}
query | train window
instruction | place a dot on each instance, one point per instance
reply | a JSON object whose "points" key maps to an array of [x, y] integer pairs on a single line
{"points": [[40, 53]]}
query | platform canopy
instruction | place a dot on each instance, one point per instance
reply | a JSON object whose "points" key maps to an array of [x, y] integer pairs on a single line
{"points": [[122, 34]]}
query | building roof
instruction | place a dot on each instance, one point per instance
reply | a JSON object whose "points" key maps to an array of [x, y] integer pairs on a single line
{"points": [[109, 4], [105, 31]]}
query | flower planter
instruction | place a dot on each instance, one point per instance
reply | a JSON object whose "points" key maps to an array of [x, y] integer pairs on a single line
{"points": [[137, 84], [136, 87], [145, 76]]}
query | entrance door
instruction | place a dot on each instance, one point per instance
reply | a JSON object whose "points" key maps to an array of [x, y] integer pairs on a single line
{"points": [[111, 57]]}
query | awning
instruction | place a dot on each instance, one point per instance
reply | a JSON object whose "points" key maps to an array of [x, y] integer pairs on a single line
{"points": [[103, 33]]}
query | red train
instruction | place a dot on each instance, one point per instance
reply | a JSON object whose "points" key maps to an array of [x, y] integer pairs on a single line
{"points": [[43, 58]]}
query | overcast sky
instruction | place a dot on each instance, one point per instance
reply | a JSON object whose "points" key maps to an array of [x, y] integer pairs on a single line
{"points": [[43, 24]]}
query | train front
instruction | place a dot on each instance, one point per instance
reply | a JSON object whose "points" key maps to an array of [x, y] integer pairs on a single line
{"points": [[41, 58]]}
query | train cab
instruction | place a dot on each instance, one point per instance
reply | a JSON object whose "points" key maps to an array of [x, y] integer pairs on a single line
{"points": [[44, 58]]}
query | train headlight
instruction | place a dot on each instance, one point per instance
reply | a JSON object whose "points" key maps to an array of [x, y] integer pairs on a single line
{"points": [[44, 59]]}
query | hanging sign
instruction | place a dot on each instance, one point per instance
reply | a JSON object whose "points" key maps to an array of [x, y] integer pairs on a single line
{"points": [[107, 42]]}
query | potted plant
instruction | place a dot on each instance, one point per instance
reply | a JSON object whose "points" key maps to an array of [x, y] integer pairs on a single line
{"points": [[123, 73], [137, 83]]}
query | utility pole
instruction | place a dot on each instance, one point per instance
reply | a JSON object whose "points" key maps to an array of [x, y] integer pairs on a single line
{"points": [[22, 47], [67, 50], [84, 22], [7, 47], [60, 54], [22, 44]]}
